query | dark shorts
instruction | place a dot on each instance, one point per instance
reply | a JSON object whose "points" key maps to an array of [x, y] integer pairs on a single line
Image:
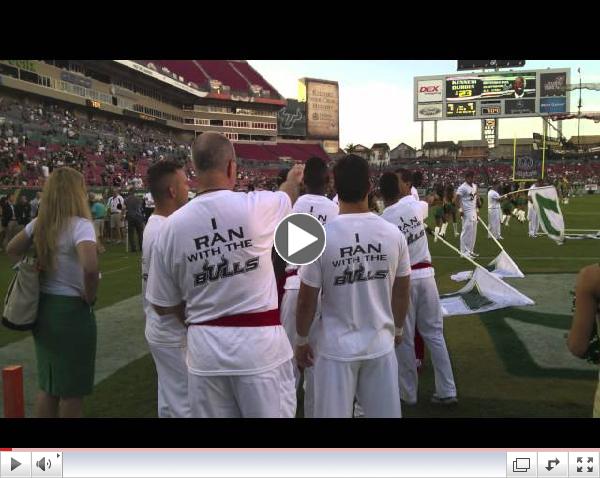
{"points": [[65, 346]]}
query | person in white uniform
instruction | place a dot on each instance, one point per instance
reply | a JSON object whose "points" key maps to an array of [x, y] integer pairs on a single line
{"points": [[212, 266], [425, 311], [315, 203], [494, 211], [532, 216], [466, 200], [166, 335], [364, 276]]}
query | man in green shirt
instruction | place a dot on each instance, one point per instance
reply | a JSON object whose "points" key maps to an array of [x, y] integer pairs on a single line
{"points": [[98, 215]]}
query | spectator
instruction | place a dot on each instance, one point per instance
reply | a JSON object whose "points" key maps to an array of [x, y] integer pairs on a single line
{"points": [[35, 204], [23, 212], [585, 320], [98, 215], [115, 206], [9, 219], [135, 219], [65, 331]]}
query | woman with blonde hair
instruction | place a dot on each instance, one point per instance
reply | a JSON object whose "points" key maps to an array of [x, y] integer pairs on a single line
{"points": [[64, 241]]}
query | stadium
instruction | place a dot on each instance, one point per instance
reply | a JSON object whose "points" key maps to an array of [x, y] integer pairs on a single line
{"points": [[111, 120]]}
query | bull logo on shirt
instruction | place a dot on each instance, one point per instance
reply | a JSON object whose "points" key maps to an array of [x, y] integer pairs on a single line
{"points": [[223, 269], [351, 276]]}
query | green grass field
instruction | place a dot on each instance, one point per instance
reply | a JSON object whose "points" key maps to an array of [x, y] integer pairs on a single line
{"points": [[508, 363]]}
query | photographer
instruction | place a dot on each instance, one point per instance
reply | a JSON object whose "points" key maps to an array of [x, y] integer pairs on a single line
{"points": [[583, 327]]}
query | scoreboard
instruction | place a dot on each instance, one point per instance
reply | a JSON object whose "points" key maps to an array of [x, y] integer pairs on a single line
{"points": [[498, 94]]}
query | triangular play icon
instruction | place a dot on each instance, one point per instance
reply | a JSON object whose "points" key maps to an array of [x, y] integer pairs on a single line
{"points": [[14, 464], [298, 239]]}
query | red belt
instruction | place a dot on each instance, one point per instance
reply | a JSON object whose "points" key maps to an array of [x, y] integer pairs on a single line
{"points": [[257, 319], [420, 265]]}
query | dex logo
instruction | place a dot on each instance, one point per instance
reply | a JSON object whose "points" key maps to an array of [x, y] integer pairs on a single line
{"points": [[429, 89]]}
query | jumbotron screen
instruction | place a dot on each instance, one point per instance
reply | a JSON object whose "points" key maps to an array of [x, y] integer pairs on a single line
{"points": [[506, 94]]}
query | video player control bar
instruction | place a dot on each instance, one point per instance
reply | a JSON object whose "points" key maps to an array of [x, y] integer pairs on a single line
{"points": [[298, 463]]}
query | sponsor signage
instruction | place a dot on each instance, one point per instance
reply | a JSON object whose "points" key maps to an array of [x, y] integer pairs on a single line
{"points": [[430, 91], [322, 108], [431, 111], [553, 84], [553, 105]]}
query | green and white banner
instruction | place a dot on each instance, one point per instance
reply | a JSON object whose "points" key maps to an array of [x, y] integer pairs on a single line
{"points": [[502, 266], [546, 204], [484, 292]]}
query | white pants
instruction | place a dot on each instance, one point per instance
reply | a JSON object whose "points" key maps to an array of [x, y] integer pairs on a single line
{"points": [[287, 313], [172, 381], [374, 382], [425, 311], [494, 222], [534, 221], [270, 394], [468, 234]]}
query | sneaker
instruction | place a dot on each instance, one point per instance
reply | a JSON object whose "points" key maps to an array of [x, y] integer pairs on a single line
{"points": [[473, 254], [456, 234], [444, 401], [408, 404], [500, 238]]}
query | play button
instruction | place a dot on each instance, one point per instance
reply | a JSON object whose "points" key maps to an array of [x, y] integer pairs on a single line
{"points": [[299, 239], [14, 464]]}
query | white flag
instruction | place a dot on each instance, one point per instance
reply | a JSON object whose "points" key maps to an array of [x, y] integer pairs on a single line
{"points": [[546, 204], [502, 266], [484, 292]]}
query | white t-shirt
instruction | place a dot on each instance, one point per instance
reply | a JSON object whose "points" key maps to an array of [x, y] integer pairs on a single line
{"points": [[468, 200], [149, 200], [363, 256], [214, 254], [113, 202], [493, 199], [324, 210], [67, 277], [414, 193], [409, 215], [166, 330]]}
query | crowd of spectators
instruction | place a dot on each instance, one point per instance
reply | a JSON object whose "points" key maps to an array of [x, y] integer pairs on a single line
{"points": [[37, 136]]}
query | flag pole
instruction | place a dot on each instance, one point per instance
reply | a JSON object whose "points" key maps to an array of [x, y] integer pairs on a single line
{"points": [[514, 156], [522, 191], [544, 150], [490, 233], [456, 250]]}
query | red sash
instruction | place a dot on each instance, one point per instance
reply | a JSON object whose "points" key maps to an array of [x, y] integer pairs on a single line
{"points": [[257, 319], [420, 265]]}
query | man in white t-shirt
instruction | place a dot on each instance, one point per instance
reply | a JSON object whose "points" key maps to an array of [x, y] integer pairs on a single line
{"points": [[364, 276], [148, 205], [494, 211], [116, 209], [532, 216], [425, 311], [166, 335], [211, 265], [314, 202], [466, 201]]}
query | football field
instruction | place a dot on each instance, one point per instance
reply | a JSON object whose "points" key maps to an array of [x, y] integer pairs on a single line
{"points": [[507, 363]]}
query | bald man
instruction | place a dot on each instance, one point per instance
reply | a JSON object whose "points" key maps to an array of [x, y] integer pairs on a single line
{"points": [[211, 266]]}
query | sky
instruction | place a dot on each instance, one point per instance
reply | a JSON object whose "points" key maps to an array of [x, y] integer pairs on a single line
{"points": [[376, 98]]}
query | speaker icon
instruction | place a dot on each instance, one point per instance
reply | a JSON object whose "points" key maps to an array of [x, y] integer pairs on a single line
{"points": [[43, 464]]}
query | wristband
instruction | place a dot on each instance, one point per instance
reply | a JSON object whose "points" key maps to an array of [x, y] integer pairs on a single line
{"points": [[301, 341], [399, 331]]}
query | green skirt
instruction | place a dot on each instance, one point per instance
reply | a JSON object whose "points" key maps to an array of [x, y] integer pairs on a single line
{"points": [[65, 346], [438, 212]]}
